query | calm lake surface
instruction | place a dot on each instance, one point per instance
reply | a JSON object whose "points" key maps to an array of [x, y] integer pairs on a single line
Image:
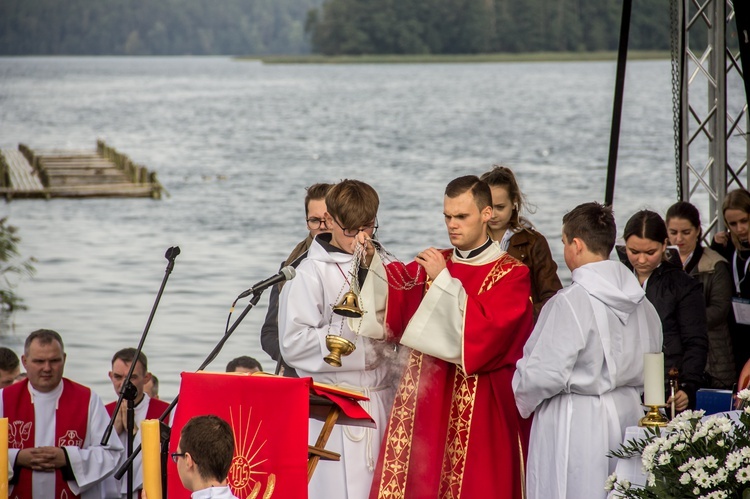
{"points": [[235, 144]]}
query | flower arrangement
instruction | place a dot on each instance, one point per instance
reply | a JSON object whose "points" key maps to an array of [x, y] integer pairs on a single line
{"points": [[691, 457]]}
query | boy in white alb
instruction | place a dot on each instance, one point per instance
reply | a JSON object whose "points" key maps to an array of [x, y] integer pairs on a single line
{"points": [[582, 368]]}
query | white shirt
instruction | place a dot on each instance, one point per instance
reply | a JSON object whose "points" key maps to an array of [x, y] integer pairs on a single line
{"points": [[214, 492]]}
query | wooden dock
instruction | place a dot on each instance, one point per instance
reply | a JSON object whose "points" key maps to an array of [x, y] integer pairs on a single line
{"points": [[103, 172]]}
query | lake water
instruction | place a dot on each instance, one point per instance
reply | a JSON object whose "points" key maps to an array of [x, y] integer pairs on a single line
{"points": [[235, 143]]}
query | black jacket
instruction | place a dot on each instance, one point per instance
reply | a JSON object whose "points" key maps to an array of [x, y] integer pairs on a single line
{"points": [[679, 301]]}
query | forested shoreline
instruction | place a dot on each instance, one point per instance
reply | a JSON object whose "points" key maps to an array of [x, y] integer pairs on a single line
{"points": [[330, 27]]}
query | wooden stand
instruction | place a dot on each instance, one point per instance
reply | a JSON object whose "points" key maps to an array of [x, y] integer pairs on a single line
{"points": [[317, 452]]}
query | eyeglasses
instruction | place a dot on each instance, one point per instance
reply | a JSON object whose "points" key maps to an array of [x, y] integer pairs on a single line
{"points": [[314, 223], [353, 232], [177, 455]]}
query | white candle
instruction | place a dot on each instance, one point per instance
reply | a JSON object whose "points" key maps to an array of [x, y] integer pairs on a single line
{"points": [[653, 378]]}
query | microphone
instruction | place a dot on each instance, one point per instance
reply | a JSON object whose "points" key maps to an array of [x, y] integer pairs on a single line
{"points": [[285, 274]]}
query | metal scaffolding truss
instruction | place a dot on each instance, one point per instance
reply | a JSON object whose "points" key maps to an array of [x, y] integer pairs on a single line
{"points": [[712, 140]]}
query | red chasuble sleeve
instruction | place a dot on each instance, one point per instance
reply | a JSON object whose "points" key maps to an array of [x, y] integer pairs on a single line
{"points": [[497, 321], [401, 303]]}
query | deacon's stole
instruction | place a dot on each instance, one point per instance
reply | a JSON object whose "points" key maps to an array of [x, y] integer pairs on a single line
{"points": [[454, 431], [71, 423]]}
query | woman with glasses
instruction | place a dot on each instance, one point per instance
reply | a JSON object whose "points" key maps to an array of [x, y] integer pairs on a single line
{"points": [[315, 213], [306, 317]]}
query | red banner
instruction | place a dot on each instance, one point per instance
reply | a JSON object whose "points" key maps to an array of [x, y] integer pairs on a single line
{"points": [[269, 417]]}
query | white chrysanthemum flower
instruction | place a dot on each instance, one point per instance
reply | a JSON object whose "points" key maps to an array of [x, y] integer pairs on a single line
{"points": [[734, 460], [696, 491], [743, 474], [711, 462], [664, 459], [687, 464], [610, 483], [651, 480], [685, 478], [679, 447], [745, 451], [744, 394], [703, 481], [699, 475], [720, 476]]}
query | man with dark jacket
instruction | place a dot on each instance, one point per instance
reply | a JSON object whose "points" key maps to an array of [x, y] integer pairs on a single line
{"points": [[315, 212]]}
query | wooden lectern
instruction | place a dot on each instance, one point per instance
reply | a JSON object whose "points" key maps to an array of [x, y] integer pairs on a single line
{"points": [[332, 405]]}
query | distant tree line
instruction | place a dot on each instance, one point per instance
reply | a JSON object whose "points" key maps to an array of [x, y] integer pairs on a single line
{"points": [[154, 27], [482, 26], [236, 27]]}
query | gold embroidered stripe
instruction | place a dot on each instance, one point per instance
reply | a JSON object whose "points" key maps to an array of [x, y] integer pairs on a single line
{"points": [[400, 431], [459, 427]]}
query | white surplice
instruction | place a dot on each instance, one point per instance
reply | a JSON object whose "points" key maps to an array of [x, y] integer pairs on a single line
{"points": [[114, 488], [305, 318], [582, 374], [91, 464]]}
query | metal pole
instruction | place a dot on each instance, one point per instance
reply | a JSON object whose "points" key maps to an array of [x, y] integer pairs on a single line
{"points": [[614, 137]]}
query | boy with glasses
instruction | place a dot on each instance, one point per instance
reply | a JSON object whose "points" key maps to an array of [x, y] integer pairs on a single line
{"points": [[306, 317], [204, 456], [315, 212]]}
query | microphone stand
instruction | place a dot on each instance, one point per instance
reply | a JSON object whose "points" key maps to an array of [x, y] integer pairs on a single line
{"points": [[128, 391], [211, 356]]}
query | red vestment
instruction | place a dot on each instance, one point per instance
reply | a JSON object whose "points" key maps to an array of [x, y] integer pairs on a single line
{"points": [[155, 409], [454, 431], [71, 423]]}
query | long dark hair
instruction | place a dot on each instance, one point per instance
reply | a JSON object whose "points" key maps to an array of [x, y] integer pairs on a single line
{"points": [[686, 211], [646, 224], [502, 176]]}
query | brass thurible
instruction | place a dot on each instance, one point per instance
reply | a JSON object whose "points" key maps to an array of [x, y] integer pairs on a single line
{"points": [[349, 306], [338, 346]]}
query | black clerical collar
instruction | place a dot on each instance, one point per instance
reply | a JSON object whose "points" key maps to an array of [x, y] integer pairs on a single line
{"points": [[324, 239], [466, 255]]}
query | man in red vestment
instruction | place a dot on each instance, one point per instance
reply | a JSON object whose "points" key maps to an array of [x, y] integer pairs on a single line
{"points": [[55, 428], [454, 430], [145, 408]]}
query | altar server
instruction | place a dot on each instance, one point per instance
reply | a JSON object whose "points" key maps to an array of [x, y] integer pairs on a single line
{"points": [[306, 318], [582, 369]]}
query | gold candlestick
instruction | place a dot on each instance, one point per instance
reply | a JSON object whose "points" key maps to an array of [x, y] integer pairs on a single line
{"points": [[653, 417]]}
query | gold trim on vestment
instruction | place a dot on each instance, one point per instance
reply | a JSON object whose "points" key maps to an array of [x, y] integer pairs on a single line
{"points": [[400, 431], [457, 439], [498, 272]]}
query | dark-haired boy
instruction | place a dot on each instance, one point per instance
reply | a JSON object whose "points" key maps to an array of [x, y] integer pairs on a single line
{"points": [[306, 318], [10, 367], [204, 456], [582, 369], [244, 364]]}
